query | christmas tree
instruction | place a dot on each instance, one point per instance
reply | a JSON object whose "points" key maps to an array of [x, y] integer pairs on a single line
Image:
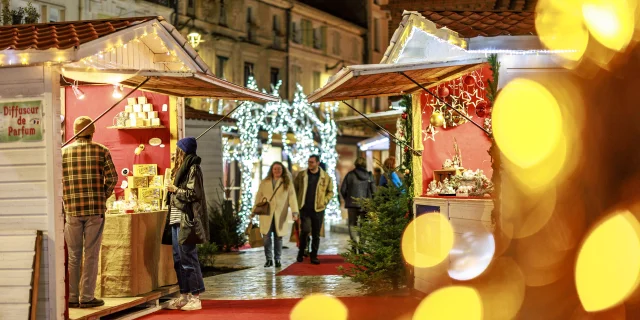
{"points": [[377, 257]]}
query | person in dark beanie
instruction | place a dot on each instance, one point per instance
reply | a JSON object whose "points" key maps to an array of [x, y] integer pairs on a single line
{"points": [[88, 179], [187, 224], [358, 184]]}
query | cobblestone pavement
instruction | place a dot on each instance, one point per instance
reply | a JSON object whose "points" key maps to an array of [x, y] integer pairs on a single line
{"points": [[258, 282]]}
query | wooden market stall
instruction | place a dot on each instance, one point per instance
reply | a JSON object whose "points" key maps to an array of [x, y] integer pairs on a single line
{"points": [[53, 73], [422, 56]]}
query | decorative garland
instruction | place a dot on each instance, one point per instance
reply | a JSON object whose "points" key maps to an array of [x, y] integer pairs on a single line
{"points": [[407, 136], [494, 152]]}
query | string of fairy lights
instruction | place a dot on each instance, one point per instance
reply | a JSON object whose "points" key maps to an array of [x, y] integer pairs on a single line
{"points": [[280, 118]]}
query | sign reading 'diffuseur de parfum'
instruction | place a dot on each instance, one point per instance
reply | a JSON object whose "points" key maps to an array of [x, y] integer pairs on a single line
{"points": [[20, 121]]}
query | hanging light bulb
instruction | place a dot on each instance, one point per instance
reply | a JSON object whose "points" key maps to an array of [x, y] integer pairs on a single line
{"points": [[117, 91], [79, 94]]}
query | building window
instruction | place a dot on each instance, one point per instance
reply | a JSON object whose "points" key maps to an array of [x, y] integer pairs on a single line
{"points": [[277, 34], [50, 13], [221, 63], [307, 33], [355, 50], [248, 72], [317, 38], [297, 75], [376, 35], [316, 80], [275, 77], [296, 35], [223, 14], [276, 24], [336, 43], [191, 7], [250, 25], [166, 3], [377, 104]]}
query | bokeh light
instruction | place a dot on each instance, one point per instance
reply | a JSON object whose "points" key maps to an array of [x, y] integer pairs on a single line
{"points": [[525, 211], [471, 254], [501, 289], [608, 263], [522, 138], [542, 175], [427, 240], [456, 302], [560, 27], [319, 307], [610, 22]]}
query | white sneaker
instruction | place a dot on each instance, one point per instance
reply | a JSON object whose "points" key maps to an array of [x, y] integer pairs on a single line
{"points": [[177, 303], [193, 304]]}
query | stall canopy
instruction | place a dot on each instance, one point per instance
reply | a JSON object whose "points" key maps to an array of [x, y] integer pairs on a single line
{"points": [[128, 49], [376, 80]]}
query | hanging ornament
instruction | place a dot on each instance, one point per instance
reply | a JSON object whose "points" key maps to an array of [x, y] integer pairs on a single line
{"points": [[437, 119], [443, 92], [469, 80], [406, 149], [456, 118], [404, 115], [481, 109]]}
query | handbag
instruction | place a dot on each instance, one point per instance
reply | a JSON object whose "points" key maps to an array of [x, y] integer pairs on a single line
{"points": [[255, 237], [263, 208], [295, 232]]}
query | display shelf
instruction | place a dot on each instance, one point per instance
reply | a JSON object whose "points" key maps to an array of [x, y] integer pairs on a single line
{"points": [[137, 128]]}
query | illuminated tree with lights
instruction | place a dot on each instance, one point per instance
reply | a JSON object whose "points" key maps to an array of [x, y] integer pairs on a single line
{"points": [[280, 118]]}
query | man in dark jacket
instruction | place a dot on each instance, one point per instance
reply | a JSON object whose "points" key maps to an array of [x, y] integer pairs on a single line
{"points": [[358, 184]]}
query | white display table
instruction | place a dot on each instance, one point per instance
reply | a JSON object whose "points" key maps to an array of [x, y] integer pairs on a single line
{"points": [[465, 215]]}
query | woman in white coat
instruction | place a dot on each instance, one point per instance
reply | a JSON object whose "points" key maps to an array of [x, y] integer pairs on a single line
{"points": [[272, 225]]}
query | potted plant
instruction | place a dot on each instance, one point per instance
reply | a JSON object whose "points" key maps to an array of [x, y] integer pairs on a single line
{"points": [[31, 14], [17, 16], [6, 13]]}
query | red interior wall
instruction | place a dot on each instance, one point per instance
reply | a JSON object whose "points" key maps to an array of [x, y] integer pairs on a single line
{"points": [[121, 143], [473, 142]]}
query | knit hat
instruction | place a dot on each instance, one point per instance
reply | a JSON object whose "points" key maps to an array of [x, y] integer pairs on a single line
{"points": [[82, 122], [188, 145]]}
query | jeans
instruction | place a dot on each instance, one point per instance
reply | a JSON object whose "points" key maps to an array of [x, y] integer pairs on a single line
{"points": [[268, 244], [355, 216], [185, 261], [83, 234], [311, 223]]}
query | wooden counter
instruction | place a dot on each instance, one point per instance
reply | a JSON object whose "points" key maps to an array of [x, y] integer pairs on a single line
{"points": [[466, 214], [132, 259]]}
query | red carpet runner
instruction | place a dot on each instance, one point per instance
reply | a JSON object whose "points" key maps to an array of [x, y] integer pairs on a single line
{"points": [[328, 267], [360, 308]]}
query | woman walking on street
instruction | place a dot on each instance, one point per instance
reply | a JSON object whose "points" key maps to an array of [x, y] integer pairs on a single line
{"points": [[187, 224], [278, 190]]}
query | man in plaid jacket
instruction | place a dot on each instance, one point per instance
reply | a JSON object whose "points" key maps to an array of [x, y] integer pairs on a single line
{"points": [[89, 178]]}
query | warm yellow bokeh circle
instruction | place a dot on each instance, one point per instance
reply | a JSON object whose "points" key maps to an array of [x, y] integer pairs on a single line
{"points": [[611, 22], [451, 303], [560, 27], [527, 122], [608, 263], [427, 240], [319, 307]]}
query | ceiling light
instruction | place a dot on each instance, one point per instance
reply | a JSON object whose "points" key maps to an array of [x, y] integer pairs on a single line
{"points": [[79, 94], [117, 92]]}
